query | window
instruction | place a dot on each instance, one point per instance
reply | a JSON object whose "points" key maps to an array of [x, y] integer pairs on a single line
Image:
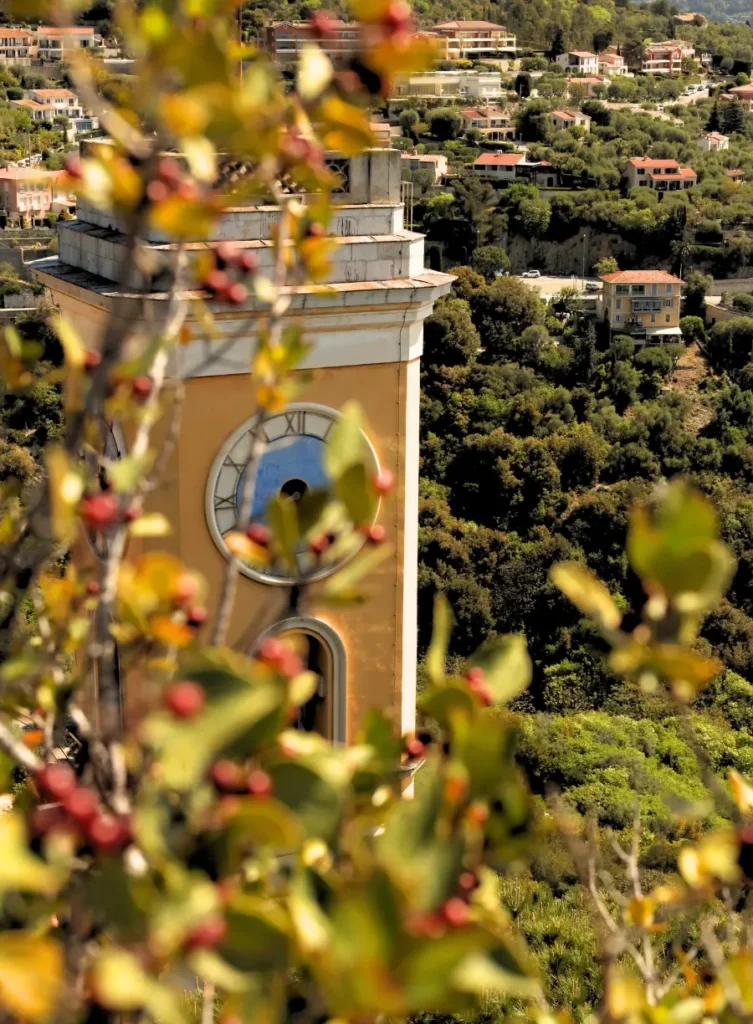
{"points": [[641, 170], [667, 318], [654, 289], [669, 289], [653, 318], [643, 183], [618, 304], [617, 318], [623, 289], [639, 289], [667, 302]]}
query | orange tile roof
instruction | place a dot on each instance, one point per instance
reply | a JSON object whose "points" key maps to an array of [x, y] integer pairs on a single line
{"points": [[468, 25], [681, 172], [24, 174], [568, 115], [55, 93], [498, 160], [647, 161], [69, 31], [641, 277]]}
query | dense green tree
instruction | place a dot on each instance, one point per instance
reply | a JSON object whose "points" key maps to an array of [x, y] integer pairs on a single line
{"points": [[489, 260], [450, 339], [445, 123]]}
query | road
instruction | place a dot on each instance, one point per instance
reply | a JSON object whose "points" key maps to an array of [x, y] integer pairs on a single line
{"points": [[550, 285], [661, 115]]}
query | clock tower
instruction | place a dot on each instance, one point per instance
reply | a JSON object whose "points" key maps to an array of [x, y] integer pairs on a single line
{"points": [[366, 335]]}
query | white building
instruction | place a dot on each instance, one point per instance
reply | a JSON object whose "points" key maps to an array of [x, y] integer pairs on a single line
{"points": [[473, 38], [494, 124], [562, 119], [713, 142], [435, 163], [612, 64], [582, 62], [470, 85], [666, 58]]}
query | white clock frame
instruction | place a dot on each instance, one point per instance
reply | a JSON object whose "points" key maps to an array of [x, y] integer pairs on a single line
{"points": [[210, 512]]}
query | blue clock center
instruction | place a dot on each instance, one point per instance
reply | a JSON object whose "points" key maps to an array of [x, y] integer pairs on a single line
{"points": [[288, 466]]}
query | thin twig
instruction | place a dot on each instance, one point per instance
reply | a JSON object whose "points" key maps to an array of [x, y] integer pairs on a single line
{"points": [[16, 749]]}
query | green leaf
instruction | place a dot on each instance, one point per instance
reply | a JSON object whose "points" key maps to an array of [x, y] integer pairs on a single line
{"points": [[201, 157], [342, 588], [283, 522], [267, 823], [154, 524], [121, 983], [258, 935], [502, 972], [506, 665], [20, 869], [315, 801], [444, 704], [188, 748], [428, 971], [31, 975], [587, 593], [312, 926], [72, 345], [436, 656], [354, 492], [346, 444], [125, 473], [212, 967]]}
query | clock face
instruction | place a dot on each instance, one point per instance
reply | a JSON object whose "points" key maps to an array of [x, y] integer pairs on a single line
{"points": [[291, 465]]}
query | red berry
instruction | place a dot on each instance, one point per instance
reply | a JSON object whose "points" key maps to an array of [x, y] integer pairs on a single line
{"points": [[414, 747], [92, 359], [376, 534], [291, 665], [260, 784], [228, 777], [225, 252], [46, 819], [208, 933], [236, 294], [73, 166], [92, 587], [108, 833], [157, 191], [131, 512], [384, 481], [187, 191], [348, 81], [169, 171], [185, 699], [186, 588], [455, 912], [248, 262], [100, 511], [316, 230], [57, 780], [272, 651], [197, 616], [217, 281], [259, 534], [142, 387], [397, 17], [82, 805], [425, 924], [476, 676], [319, 544], [468, 881]]}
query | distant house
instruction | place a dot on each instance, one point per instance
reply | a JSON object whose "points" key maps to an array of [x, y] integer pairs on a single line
{"points": [[735, 175], [666, 58], [55, 44], [285, 40], [17, 45], [642, 303], [562, 119], [474, 38], [742, 93], [496, 125], [581, 61], [507, 167], [713, 142], [435, 163], [691, 18], [26, 193], [590, 84], [468, 85], [660, 175], [612, 63]]}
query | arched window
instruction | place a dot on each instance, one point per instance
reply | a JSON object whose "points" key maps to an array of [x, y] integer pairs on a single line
{"points": [[323, 652]]}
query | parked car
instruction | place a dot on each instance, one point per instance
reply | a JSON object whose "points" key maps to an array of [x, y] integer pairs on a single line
{"points": [[531, 273], [592, 286]]}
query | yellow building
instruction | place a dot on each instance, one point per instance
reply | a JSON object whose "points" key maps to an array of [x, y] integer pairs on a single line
{"points": [[642, 303], [367, 335]]}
